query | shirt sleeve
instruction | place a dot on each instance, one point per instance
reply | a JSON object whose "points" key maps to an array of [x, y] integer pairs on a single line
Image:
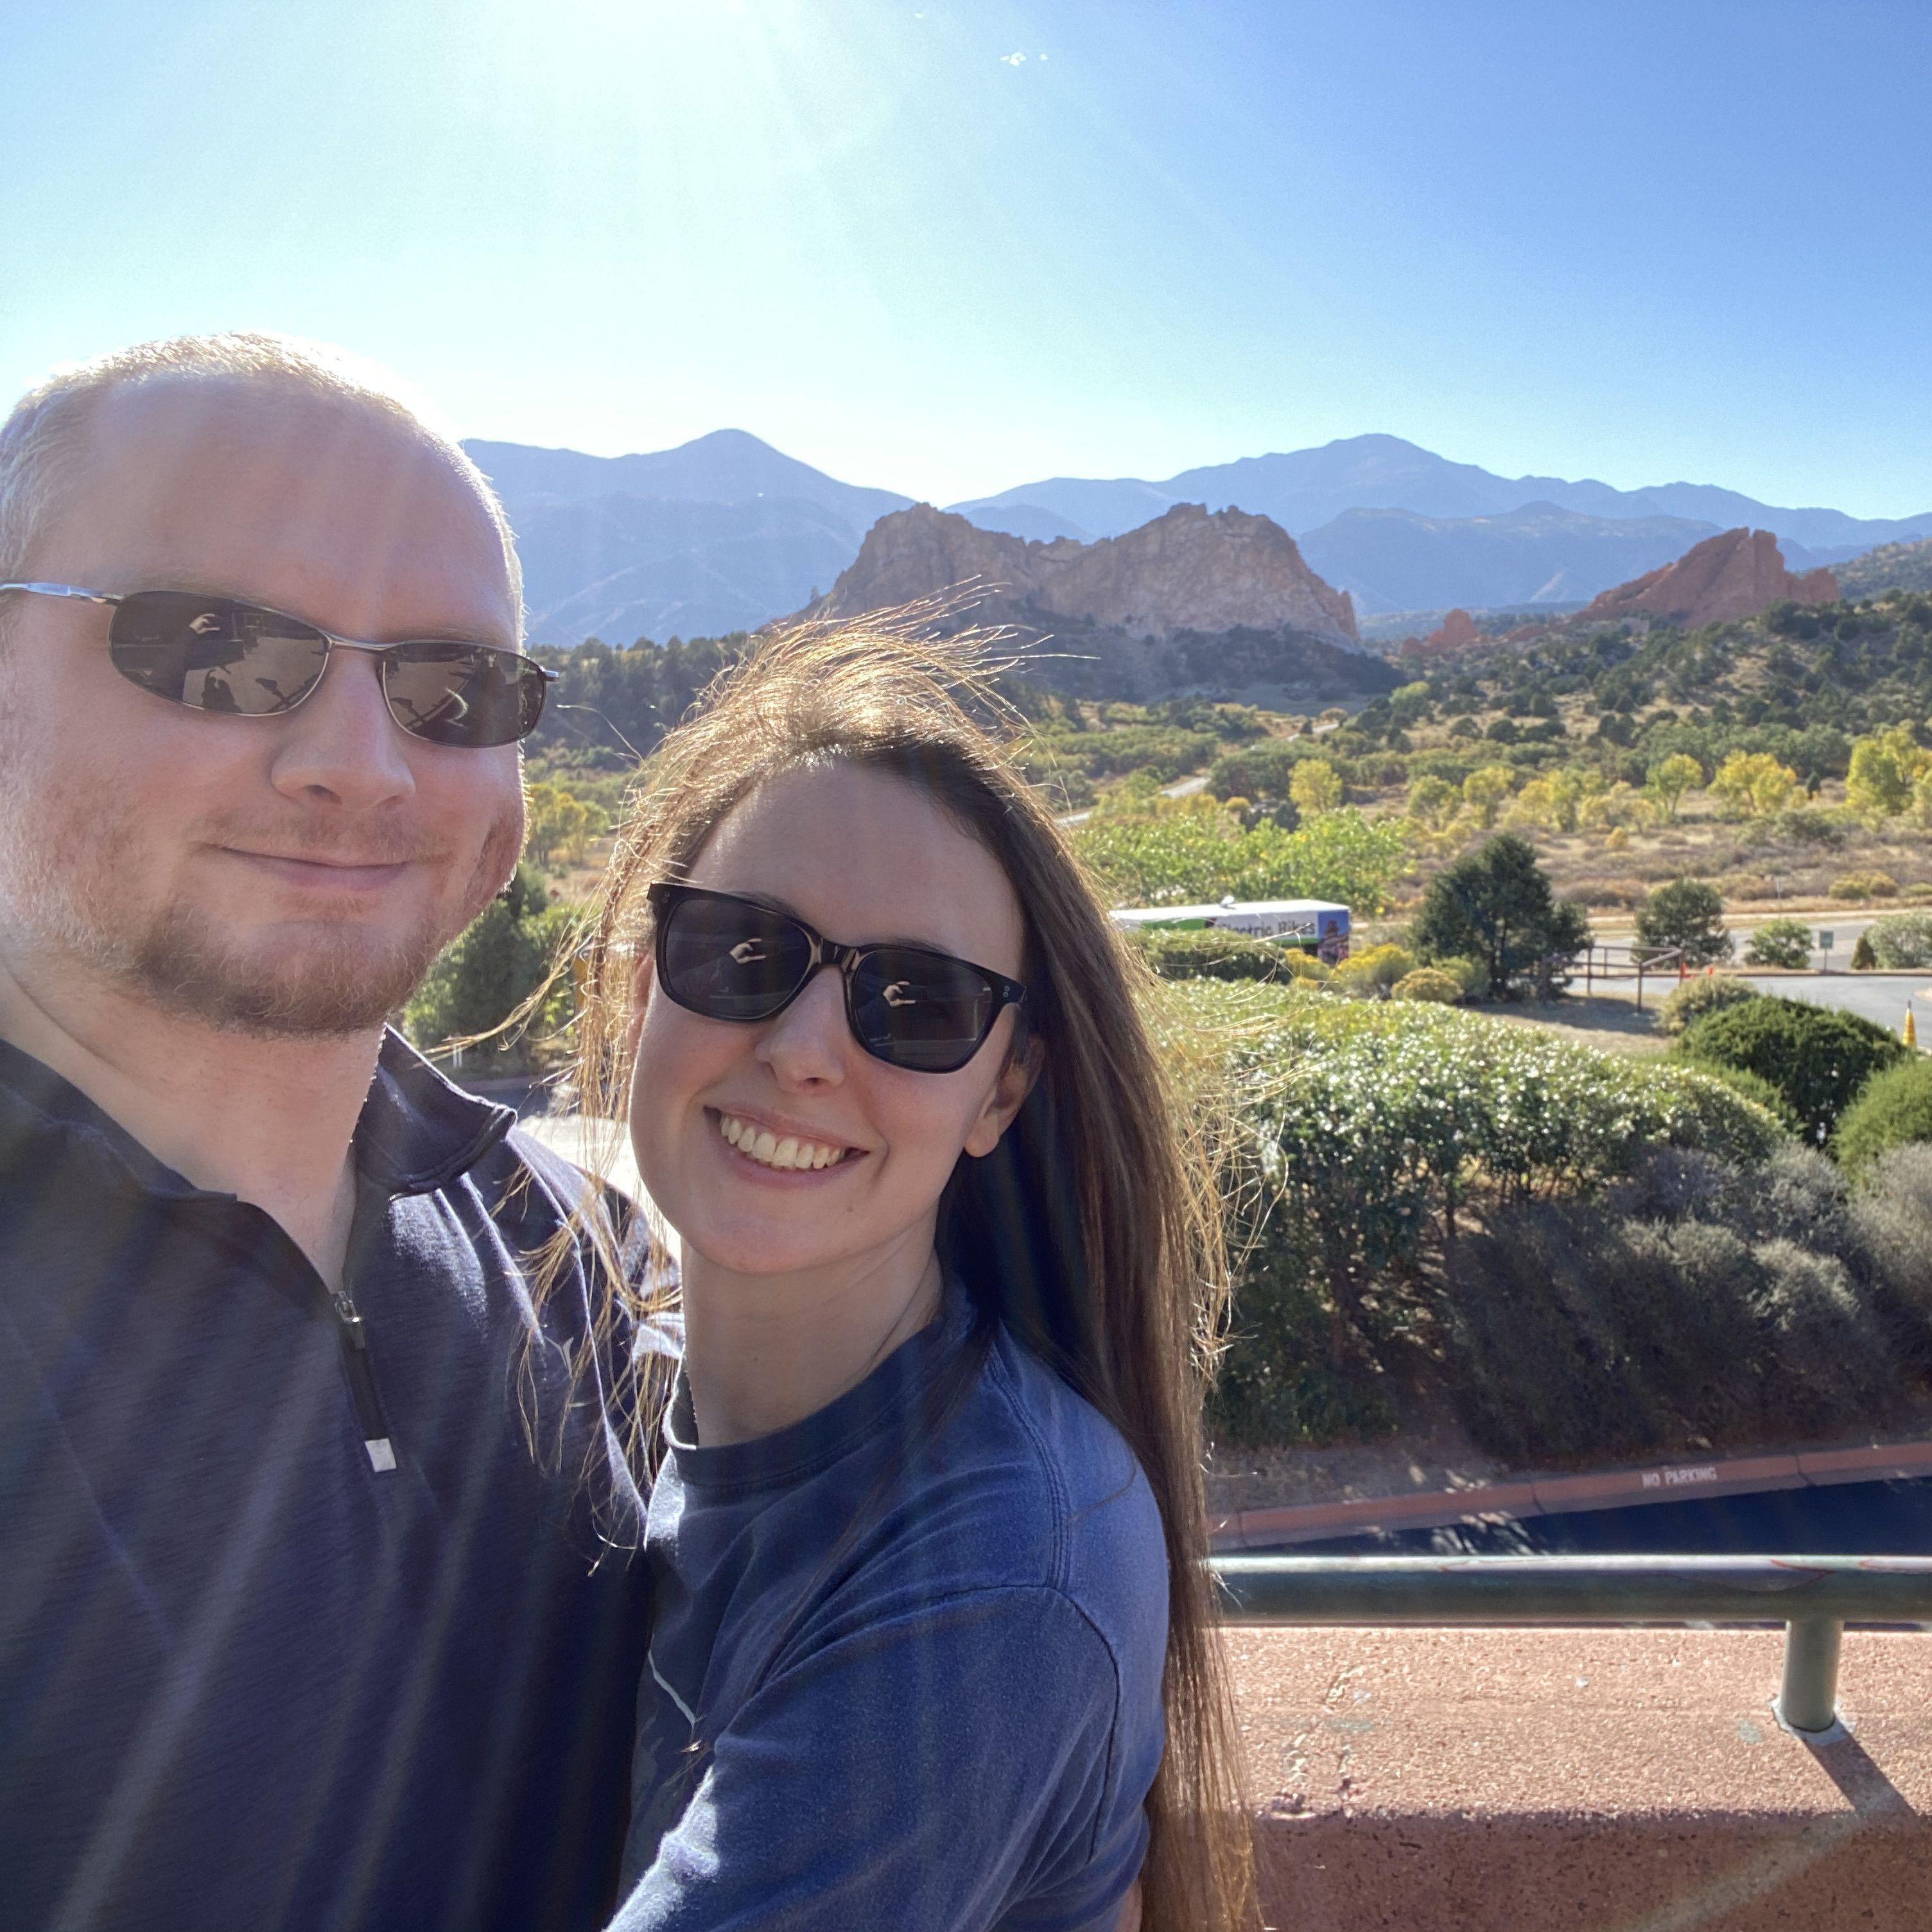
{"points": [[947, 1770]]}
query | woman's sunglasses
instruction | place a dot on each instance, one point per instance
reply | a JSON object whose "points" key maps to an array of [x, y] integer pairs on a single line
{"points": [[220, 654], [730, 958]]}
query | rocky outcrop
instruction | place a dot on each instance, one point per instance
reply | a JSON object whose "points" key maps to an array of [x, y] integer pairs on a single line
{"points": [[1456, 631], [1187, 571], [1732, 575]]}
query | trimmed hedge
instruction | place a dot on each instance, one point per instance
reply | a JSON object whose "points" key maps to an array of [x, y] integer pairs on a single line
{"points": [[1817, 1057], [1367, 1135], [1589, 1256]]}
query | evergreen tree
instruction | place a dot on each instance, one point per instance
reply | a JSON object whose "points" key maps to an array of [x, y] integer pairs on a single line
{"points": [[1496, 906]]}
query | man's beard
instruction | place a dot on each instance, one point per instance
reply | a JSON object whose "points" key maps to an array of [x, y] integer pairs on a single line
{"points": [[326, 986], [329, 979]]}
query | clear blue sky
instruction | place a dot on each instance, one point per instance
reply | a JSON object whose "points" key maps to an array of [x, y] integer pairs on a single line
{"points": [[945, 246]]}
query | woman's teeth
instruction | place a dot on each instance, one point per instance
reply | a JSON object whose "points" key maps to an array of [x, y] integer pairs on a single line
{"points": [[771, 1150]]}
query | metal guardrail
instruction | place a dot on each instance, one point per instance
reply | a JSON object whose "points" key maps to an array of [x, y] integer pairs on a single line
{"points": [[1813, 1597]]}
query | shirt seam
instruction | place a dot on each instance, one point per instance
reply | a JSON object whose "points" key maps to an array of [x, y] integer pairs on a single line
{"points": [[1008, 1387]]}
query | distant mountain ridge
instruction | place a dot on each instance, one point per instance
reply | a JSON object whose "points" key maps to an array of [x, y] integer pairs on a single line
{"points": [[725, 532], [1398, 560], [721, 534], [1303, 489]]}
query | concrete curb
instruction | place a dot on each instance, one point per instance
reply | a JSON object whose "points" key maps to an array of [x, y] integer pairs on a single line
{"points": [[1554, 1496]]}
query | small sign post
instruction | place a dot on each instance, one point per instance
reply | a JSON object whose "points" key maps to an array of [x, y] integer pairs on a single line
{"points": [[1826, 937]]}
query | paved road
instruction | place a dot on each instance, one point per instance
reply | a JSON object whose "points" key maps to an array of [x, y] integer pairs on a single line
{"points": [[1883, 997]]}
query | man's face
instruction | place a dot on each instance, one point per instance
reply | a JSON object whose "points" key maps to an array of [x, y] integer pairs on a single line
{"points": [[282, 876]]}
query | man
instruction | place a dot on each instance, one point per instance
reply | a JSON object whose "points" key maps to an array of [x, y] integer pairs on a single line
{"points": [[302, 1619]]}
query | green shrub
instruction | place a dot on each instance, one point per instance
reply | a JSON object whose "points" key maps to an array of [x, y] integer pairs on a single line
{"points": [[1891, 1222], [1471, 975], [1863, 959], [1577, 1331], [1281, 1378], [1867, 885], [1430, 983], [1824, 1338], [1211, 953], [1306, 966], [1706, 994], [1375, 970], [1817, 1057], [1893, 1108], [1755, 1088], [1902, 941], [1370, 1125], [1784, 942]]}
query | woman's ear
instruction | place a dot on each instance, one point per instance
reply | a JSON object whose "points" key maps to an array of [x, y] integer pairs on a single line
{"points": [[1009, 1095], [641, 996]]}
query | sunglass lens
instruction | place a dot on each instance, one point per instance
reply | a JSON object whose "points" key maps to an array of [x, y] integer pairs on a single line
{"points": [[215, 654], [465, 695], [731, 960], [920, 1011]]}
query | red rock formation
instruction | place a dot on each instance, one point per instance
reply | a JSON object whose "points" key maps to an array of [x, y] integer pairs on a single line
{"points": [[1732, 575], [1186, 570], [1455, 631]]}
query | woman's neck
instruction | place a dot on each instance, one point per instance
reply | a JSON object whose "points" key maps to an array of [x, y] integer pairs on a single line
{"points": [[763, 1352]]}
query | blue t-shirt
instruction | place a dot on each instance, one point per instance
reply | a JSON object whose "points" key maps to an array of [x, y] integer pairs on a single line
{"points": [[906, 1659]]}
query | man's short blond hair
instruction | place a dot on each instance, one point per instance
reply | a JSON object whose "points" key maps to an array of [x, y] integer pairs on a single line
{"points": [[43, 443]]}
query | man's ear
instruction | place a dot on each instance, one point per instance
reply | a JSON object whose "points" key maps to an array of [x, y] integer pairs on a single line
{"points": [[1009, 1095]]}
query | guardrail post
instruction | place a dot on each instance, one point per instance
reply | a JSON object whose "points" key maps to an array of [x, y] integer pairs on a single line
{"points": [[1808, 1703]]}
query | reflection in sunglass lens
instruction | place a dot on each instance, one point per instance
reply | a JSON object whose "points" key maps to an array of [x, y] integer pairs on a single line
{"points": [[456, 694], [919, 1010], [214, 654], [732, 961]]}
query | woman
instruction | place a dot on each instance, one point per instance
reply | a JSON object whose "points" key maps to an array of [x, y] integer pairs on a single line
{"points": [[931, 1645]]}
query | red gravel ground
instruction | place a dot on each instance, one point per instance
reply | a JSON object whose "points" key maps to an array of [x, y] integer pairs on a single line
{"points": [[1527, 1780]]}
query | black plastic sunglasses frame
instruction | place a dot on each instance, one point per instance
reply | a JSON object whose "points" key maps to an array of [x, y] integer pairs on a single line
{"points": [[667, 896], [530, 699]]}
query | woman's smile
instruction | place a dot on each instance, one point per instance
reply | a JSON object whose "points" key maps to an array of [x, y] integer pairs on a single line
{"points": [[775, 1149]]}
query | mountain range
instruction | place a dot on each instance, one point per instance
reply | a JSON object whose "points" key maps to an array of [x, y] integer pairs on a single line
{"points": [[726, 532]]}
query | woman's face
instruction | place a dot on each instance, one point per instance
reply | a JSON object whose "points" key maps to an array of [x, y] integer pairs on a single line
{"points": [[861, 857]]}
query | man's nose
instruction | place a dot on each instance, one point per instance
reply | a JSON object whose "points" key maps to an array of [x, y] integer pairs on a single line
{"points": [[340, 742]]}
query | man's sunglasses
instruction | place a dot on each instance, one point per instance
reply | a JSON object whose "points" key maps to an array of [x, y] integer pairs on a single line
{"points": [[731, 958], [220, 654]]}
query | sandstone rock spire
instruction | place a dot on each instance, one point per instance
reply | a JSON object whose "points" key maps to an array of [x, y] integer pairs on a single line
{"points": [[1734, 574], [1188, 570]]}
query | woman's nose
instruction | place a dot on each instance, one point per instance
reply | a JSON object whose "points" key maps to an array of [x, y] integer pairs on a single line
{"points": [[806, 1045]]}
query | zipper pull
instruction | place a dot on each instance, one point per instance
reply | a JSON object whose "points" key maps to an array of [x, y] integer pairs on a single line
{"points": [[362, 1383]]}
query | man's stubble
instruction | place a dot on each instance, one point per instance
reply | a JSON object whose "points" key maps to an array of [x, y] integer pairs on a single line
{"points": [[69, 864]]}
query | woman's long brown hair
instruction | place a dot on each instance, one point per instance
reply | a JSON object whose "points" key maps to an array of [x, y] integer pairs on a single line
{"points": [[1094, 1230]]}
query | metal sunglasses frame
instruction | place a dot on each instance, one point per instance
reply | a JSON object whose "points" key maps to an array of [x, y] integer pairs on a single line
{"points": [[335, 642], [665, 896]]}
